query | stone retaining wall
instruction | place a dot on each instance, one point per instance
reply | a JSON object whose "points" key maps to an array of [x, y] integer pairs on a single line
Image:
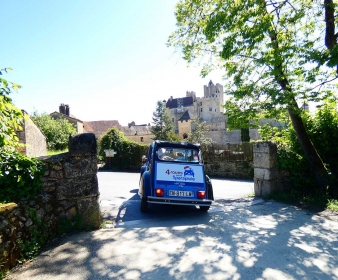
{"points": [[230, 169], [70, 198], [267, 177]]}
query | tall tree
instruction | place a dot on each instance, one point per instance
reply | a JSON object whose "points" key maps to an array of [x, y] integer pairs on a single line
{"points": [[10, 116], [163, 128], [56, 131], [198, 134], [273, 54]]}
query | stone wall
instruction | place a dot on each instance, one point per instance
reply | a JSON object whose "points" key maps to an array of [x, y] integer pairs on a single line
{"points": [[33, 139], [230, 169], [231, 137], [184, 128], [229, 160], [268, 178], [70, 198]]}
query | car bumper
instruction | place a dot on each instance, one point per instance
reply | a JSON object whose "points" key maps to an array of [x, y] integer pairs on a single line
{"points": [[178, 201]]}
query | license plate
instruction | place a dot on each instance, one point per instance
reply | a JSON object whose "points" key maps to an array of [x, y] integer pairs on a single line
{"points": [[181, 193]]}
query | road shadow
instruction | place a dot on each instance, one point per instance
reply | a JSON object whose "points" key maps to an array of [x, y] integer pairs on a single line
{"points": [[265, 241], [129, 210]]}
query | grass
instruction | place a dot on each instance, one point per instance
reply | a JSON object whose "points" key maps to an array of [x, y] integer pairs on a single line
{"points": [[332, 204], [56, 152], [250, 195]]}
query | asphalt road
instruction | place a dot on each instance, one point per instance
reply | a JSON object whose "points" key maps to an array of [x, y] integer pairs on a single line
{"points": [[239, 238], [120, 202]]}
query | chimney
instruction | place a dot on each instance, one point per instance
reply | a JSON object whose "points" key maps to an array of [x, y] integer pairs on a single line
{"points": [[62, 109], [67, 110]]}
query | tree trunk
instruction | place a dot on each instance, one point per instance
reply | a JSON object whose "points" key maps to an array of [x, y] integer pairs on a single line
{"points": [[310, 151], [330, 36], [313, 157]]}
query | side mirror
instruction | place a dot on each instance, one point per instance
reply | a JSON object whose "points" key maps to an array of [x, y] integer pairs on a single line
{"points": [[144, 159]]}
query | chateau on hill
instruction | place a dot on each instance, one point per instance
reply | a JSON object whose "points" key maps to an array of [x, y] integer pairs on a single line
{"points": [[207, 108], [182, 111]]}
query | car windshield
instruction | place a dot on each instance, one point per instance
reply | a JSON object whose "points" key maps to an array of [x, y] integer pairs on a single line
{"points": [[178, 154]]}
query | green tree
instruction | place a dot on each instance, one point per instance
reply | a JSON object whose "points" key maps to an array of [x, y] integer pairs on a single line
{"points": [[112, 139], [198, 133], [163, 128], [128, 153], [272, 52], [20, 176], [322, 127], [11, 117], [56, 131], [238, 119]]}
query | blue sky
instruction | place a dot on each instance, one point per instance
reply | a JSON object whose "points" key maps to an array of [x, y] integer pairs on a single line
{"points": [[107, 59]]}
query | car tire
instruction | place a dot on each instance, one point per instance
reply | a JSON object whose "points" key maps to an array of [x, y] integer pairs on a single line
{"points": [[204, 208], [144, 204]]}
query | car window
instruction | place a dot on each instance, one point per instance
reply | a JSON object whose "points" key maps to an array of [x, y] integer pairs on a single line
{"points": [[178, 154]]}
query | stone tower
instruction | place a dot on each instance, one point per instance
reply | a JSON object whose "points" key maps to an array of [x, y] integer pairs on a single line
{"points": [[214, 91]]}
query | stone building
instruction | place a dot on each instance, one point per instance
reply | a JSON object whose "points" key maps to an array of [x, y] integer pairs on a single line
{"points": [[137, 133], [32, 138], [207, 108], [100, 127], [64, 113]]}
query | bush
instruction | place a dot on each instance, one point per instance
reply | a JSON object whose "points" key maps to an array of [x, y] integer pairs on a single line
{"points": [[56, 131], [20, 176], [128, 154], [11, 117]]}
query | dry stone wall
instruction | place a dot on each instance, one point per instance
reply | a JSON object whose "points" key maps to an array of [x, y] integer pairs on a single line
{"points": [[229, 161], [268, 178], [70, 198], [230, 169]]}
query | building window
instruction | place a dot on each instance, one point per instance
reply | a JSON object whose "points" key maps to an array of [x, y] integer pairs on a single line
{"points": [[213, 95], [173, 119], [210, 109], [201, 109], [201, 103]]}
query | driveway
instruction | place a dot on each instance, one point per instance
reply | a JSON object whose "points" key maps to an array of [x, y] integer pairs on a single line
{"points": [[120, 202], [239, 238]]}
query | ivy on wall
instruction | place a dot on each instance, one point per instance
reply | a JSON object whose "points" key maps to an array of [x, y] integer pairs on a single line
{"points": [[20, 176]]}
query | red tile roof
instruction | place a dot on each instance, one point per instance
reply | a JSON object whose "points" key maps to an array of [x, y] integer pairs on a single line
{"points": [[100, 127]]}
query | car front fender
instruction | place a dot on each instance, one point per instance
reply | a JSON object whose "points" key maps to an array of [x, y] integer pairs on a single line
{"points": [[143, 168], [145, 187]]}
